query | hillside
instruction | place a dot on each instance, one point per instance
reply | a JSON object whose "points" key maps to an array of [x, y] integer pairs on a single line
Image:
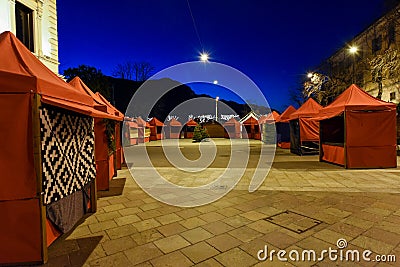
{"points": [[123, 90]]}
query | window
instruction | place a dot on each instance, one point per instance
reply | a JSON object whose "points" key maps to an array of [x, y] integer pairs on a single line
{"points": [[24, 25], [377, 44], [392, 96], [391, 34]]}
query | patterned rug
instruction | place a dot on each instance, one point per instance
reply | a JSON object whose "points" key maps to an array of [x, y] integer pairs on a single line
{"points": [[67, 152]]}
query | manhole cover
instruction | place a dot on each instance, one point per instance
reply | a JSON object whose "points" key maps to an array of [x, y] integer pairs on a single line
{"points": [[293, 221]]}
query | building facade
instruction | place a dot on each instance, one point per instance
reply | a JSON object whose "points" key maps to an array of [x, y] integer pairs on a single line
{"points": [[34, 22], [374, 62]]}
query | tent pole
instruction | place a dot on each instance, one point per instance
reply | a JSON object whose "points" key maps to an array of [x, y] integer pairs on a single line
{"points": [[345, 141], [320, 140], [37, 159], [93, 186]]}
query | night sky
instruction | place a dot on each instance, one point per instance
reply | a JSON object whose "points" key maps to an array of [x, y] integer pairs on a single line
{"points": [[275, 43]]}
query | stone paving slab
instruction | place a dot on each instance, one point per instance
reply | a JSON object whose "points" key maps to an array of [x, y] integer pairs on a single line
{"points": [[130, 227]]}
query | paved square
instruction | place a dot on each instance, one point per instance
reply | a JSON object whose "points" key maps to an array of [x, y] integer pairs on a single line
{"points": [[130, 227]]}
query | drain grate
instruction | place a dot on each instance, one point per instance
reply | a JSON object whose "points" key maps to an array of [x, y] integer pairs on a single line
{"points": [[293, 221]]}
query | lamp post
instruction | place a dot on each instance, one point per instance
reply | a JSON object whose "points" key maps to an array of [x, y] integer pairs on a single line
{"points": [[216, 108], [353, 51]]}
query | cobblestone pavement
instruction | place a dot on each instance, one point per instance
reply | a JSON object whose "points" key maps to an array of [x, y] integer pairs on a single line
{"points": [[315, 205]]}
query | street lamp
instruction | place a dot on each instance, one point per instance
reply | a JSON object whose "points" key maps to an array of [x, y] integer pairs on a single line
{"points": [[216, 108], [204, 57], [353, 51]]}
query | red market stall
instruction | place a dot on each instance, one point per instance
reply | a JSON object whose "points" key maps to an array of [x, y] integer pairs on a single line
{"points": [[189, 129], [232, 129], [105, 158], [46, 159], [283, 128], [304, 131], [132, 131], [250, 127], [358, 131], [267, 127], [156, 130], [118, 155], [143, 130], [173, 129]]}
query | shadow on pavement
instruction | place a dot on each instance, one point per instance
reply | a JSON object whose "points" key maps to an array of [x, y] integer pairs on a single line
{"points": [[73, 252], [116, 188]]}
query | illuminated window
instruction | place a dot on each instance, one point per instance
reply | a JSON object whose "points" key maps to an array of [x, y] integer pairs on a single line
{"points": [[24, 25]]}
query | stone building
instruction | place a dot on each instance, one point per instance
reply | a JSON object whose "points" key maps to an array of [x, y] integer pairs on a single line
{"points": [[34, 22], [379, 43]]}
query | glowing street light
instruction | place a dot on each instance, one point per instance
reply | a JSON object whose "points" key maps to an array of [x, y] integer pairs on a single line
{"points": [[215, 82], [204, 57], [353, 51], [310, 74]]}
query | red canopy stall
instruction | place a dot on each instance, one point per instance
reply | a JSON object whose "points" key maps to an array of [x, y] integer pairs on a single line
{"points": [[156, 130], [250, 127], [46, 159], [105, 169], [189, 128], [358, 131], [232, 129], [283, 128], [267, 127], [304, 131], [143, 130], [131, 135], [118, 155], [174, 129]]}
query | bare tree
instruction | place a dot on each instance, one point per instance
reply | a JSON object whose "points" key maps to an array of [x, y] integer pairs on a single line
{"points": [[124, 70], [385, 66], [138, 71], [323, 88], [142, 71]]}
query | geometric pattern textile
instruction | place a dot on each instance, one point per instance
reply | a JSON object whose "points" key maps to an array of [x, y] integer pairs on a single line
{"points": [[67, 146]]}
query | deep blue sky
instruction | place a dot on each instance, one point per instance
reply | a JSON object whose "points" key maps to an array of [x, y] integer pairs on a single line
{"points": [[273, 42]]}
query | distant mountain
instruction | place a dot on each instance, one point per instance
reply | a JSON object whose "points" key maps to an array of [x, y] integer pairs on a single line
{"points": [[170, 103]]}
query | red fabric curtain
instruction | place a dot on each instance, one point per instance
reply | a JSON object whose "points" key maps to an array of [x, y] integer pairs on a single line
{"points": [[18, 179], [309, 129], [20, 231], [334, 154], [371, 139]]}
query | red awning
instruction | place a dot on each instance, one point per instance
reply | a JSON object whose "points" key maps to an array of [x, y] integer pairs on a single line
{"points": [[191, 122], [155, 122], [353, 98], [174, 122], [115, 111], [309, 109], [269, 118], [21, 71], [100, 109], [285, 116]]}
